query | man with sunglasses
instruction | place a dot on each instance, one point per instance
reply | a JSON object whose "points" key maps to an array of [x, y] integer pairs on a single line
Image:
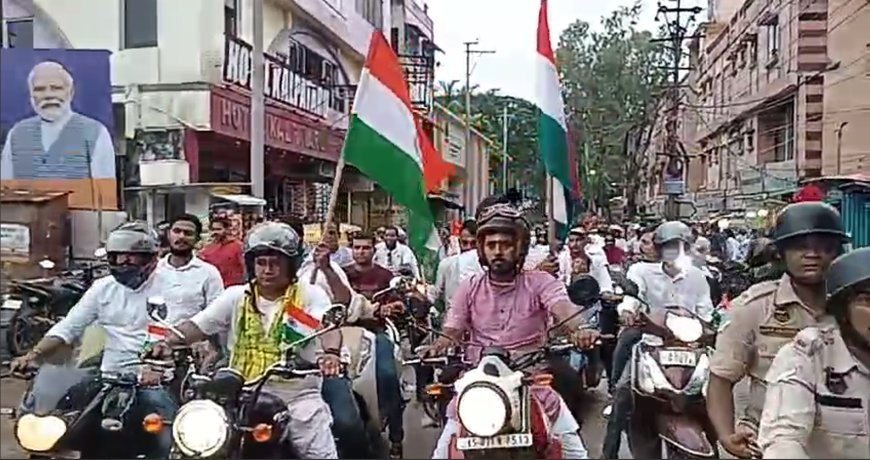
{"points": [[768, 315], [512, 308]]}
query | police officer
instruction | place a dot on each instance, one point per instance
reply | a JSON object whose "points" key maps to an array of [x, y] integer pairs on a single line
{"points": [[819, 384], [768, 315]]}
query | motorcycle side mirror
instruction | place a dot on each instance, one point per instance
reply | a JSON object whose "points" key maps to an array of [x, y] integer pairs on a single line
{"points": [[584, 291], [157, 308], [46, 264], [629, 288], [100, 253], [335, 316]]}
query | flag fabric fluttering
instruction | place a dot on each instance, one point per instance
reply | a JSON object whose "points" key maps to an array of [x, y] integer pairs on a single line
{"points": [[553, 138], [383, 140]]}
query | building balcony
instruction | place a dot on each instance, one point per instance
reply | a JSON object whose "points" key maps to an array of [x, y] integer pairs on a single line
{"points": [[420, 73]]}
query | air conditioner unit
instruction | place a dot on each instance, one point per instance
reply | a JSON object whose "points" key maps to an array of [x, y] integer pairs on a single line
{"points": [[164, 172]]}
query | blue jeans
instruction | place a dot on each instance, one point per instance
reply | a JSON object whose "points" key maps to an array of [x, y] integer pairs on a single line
{"points": [[389, 387], [157, 400], [347, 422]]}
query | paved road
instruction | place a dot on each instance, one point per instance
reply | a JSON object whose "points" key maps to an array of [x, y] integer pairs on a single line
{"points": [[419, 442]]}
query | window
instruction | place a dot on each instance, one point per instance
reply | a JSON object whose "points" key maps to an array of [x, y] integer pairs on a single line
{"points": [[371, 11], [774, 40], [19, 32], [140, 23], [316, 69], [753, 52], [231, 18]]}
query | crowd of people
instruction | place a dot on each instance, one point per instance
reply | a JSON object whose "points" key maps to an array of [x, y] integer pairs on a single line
{"points": [[801, 338]]}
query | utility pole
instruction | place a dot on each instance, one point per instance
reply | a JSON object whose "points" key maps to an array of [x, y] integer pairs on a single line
{"points": [[471, 162], [258, 104], [677, 26]]}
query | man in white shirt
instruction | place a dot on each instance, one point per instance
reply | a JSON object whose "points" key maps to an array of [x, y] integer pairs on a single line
{"points": [[119, 304], [674, 281], [395, 256], [578, 242], [447, 275]]}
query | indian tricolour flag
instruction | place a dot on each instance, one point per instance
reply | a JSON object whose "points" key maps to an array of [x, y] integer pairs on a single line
{"points": [[552, 129], [382, 140], [298, 324]]}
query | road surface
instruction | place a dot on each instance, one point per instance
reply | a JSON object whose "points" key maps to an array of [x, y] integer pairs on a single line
{"points": [[419, 442]]}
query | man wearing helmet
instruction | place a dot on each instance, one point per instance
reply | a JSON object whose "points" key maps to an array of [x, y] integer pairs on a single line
{"points": [[672, 280], [261, 316], [509, 307], [768, 315], [118, 303], [816, 402]]}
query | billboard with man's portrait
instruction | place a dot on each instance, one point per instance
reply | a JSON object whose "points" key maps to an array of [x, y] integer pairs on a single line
{"points": [[56, 124]]}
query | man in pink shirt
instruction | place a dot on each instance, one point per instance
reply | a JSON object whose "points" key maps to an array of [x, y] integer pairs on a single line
{"points": [[511, 308]]}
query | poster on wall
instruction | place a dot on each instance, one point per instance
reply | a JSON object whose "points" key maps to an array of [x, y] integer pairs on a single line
{"points": [[56, 124]]}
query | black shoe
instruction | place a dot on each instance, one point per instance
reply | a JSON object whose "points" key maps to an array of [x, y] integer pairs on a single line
{"points": [[396, 450]]}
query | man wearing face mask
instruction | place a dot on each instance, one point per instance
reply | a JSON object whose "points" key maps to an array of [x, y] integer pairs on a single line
{"points": [[674, 280], [818, 383], [768, 315], [118, 303]]}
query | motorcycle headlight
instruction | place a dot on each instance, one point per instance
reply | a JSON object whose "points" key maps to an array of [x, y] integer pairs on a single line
{"points": [[685, 329], [200, 428], [483, 409], [39, 434]]}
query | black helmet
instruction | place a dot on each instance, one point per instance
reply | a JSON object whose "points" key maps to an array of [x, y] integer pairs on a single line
{"points": [[808, 218], [671, 231], [273, 237], [847, 271], [131, 237]]}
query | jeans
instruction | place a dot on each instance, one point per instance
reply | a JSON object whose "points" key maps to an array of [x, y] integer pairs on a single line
{"points": [[389, 387], [151, 400], [347, 422], [622, 354]]}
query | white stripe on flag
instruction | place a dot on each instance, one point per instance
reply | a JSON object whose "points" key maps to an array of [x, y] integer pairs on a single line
{"points": [[560, 207]]}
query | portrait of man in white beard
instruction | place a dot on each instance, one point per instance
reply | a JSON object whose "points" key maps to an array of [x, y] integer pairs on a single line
{"points": [[57, 142]]}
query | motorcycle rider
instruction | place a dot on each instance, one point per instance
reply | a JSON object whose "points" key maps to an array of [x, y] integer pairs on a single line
{"points": [[671, 281], [578, 244], [510, 307], [394, 255], [768, 315], [118, 303], [819, 382], [447, 274], [261, 315]]}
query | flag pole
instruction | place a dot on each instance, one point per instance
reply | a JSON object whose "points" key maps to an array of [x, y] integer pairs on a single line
{"points": [[333, 193], [551, 220]]}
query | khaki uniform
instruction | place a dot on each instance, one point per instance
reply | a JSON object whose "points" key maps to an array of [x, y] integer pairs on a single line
{"points": [[817, 400], [762, 320]]}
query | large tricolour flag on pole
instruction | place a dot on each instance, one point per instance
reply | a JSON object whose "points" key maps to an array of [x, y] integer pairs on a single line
{"points": [[383, 143], [552, 129]]}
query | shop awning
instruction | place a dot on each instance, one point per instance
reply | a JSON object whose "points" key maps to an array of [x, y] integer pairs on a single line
{"points": [[449, 202], [241, 200]]}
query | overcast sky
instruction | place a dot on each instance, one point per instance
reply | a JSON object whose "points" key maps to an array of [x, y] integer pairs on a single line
{"points": [[508, 27]]}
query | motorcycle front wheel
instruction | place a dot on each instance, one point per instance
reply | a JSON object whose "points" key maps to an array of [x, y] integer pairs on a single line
{"points": [[24, 332]]}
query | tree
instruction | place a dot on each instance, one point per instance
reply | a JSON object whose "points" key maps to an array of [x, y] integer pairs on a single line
{"points": [[611, 81]]}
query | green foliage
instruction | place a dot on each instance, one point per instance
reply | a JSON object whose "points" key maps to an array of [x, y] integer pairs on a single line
{"points": [[611, 80]]}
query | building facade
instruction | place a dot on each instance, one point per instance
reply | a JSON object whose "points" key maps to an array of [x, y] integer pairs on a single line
{"points": [[181, 82], [776, 91]]}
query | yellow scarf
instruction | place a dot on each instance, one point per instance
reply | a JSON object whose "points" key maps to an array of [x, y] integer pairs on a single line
{"points": [[255, 349]]}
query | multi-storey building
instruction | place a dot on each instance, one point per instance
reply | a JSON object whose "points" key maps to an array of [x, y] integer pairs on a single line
{"points": [[777, 91], [181, 77]]}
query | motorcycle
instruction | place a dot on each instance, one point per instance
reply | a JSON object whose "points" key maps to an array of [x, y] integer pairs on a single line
{"points": [[669, 375], [225, 416], [38, 304], [75, 412]]}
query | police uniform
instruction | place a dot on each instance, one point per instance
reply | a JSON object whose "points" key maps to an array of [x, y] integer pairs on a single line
{"points": [[762, 320], [817, 399]]}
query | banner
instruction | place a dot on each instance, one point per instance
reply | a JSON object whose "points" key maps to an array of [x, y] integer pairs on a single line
{"points": [[56, 124]]}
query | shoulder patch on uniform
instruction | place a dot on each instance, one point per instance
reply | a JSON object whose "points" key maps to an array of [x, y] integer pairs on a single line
{"points": [[810, 340], [756, 291]]}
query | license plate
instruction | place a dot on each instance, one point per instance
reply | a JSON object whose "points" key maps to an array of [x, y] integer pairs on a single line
{"points": [[12, 304], [677, 358], [504, 441]]}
